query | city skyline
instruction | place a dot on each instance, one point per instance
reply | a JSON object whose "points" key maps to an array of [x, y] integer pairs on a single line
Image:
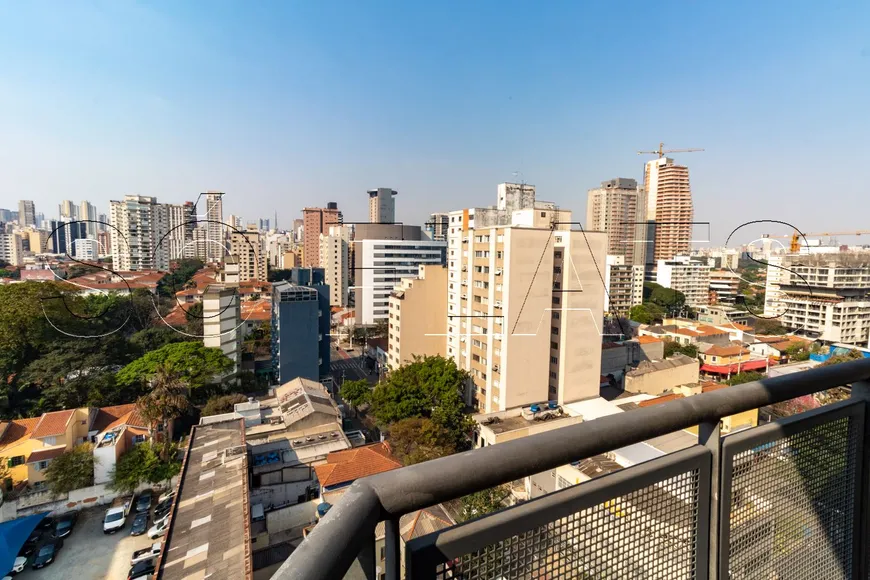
{"points": [[455, 115]]}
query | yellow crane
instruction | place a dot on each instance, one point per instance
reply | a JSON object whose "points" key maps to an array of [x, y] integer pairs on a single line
{"points": [[661, 151], [796, 237]]}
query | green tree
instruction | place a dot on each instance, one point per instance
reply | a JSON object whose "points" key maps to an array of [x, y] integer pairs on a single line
{"points": [[646, 313], [178, 277], [483, 502], [154, 338], [356, 393], [194, 364], [73, 469], [142, 464], [220, 404], [672, 347], [768, 326], [419, 439], [671, 301], [427, 387], [193, 315], [841, 358], [4, 273], [744, 377], [166, 401]]}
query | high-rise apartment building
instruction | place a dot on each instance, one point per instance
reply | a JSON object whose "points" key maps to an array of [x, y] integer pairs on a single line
{"points": [[213, 221], [437, 226], [525, 303], [182, 221], [68, 210], [26, 213], [669, 210], [11, 249], [334, 245], [824, 295], [317, 220], [247, 248], [382, 206], [300, 328], [139, 225], [222, 322], [618, 208], [380, 265], [624, 285], [724, 286], [683, 274], [418, 317], [88, 214], [39, 242], [64, 235], [264, 224]]}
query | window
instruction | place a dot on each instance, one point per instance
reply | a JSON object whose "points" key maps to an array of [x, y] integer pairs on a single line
{"points": [[138, 438], [554, 345], [49, 441], [554, 330], [557, 285], [14, 461], [543, 214], [383, 554], [553, 374], [555, 315], [41, 465], [556, 300], [554, 360]]}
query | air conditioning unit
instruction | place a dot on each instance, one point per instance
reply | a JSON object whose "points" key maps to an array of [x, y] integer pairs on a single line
{"points": [[461, 339], [498, 271], [464, 282], [497, 303], [495, 368]]}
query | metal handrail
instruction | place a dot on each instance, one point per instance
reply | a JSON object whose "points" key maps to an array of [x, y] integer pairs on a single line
{"points": [[334, 543]]}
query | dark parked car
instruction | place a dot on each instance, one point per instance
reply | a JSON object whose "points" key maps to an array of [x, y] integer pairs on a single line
{"points": [[31, 542], [47, 553], [142, 568], [45, 523], [140, 524], [63, 526], [143, 502]]}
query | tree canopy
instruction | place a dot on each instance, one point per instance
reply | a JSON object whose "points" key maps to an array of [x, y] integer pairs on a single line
{"points": [[483, 502], [429, 387], [73, 469], [166, 401], [646, 313], [672, 347], [356, 393], [418, 439], [744, 377], [177, 278], [220, 404], [142, 464], [195, 364], [671, 301]]}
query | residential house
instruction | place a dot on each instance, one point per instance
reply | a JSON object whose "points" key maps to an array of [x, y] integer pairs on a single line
{"points": [[119, 428], [15, 448], [54, 434], [658, 377], [728, 360], [775, 347]]}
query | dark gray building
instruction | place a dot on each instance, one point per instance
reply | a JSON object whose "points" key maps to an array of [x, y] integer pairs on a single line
{"points": [[300, 327]]}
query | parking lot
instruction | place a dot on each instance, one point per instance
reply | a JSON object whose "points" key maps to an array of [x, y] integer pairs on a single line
{"points": [[88, 554]]}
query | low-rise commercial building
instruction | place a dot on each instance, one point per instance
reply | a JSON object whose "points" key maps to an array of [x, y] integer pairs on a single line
{"points": [[655, 378]]}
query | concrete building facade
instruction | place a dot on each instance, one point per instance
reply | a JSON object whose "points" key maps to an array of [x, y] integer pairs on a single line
{"points": [[724, 286], [382, 205], [438, 226], [618, 208], [688, 276], [418, 317], [300, 329], [182, 221], [139, 225], [624, 285], [334, 251], [669, 206], [247, 248], [317, 220], [222, 323], [213, 212], [11, 249], [26, 213], [525, 304]]}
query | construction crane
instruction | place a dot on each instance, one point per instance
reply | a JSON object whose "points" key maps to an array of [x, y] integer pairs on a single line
{"points": [[661, 151], [796, 237]]}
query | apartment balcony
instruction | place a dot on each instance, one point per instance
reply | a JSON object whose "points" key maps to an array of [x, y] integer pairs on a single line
{"points": [[783, 500]]}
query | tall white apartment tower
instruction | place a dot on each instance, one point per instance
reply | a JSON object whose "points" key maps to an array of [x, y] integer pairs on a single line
{"points": [[524, 302], [182, 221], [26, 213], [88, 214], [212, 212], [334, 246], [140, 224], [382, 206]]}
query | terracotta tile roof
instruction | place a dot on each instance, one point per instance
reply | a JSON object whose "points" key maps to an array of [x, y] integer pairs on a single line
{"points": [[686, 332], [710, 330], [647, 339], [257, 310], [108, 416], [658, 400], [18, 429], [352, 464], [176, 317], [725, 351], [52, 424], [46, 453], [708, 386]]}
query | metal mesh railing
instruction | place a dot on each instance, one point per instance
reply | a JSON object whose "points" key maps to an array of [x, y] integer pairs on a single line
{"points": [[646, 523], [792, 503]]}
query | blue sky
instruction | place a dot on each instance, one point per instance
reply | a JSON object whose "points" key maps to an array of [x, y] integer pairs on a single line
{"points": [[288, 104]]}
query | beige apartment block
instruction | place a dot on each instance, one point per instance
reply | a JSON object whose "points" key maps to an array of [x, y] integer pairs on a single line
{"points": [[525, 302], [247, 248], [221, 322], [618, 208], [334, 248], [317, 220], [418, 316]]}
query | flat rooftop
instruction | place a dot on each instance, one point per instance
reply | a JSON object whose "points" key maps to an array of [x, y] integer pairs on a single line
{"points": [[208, 535]]}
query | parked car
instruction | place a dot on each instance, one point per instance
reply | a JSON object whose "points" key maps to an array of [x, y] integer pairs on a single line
{"points": [[116, 516], [140, 524], [142, 568], [47, 554], [45, 523], [159, 529], [31, 543], [163, 506], [63, 526], [143, 502], [19, 565], [166, 495], [160, 517], [146, 553]]}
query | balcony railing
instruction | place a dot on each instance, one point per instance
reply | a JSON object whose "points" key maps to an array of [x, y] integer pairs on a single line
{"points": [[784, 500]]}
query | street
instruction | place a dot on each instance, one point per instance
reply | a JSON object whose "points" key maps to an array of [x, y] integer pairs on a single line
{"points": [[349, 366]]}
